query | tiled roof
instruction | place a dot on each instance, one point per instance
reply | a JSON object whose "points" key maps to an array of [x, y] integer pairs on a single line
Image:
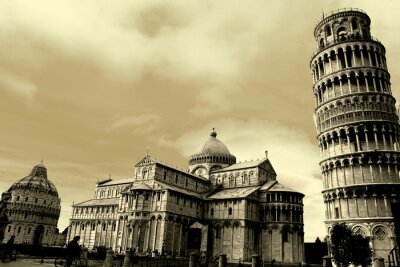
{"points": [[268, 185], [180, 190], [240, 192], [243, 165], [280, 187], [118, 181], [139, 186], [99, 202], [150, 160]]}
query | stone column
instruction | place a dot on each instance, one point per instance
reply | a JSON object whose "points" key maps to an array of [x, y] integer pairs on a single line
{"points": [[349, 83], [84, 253], [255, 261], [369, 57], [109, 262], [127, 258], [193, 259], [222, 260], [345, 59], [366, 83], [326, 261], [379, 262]]}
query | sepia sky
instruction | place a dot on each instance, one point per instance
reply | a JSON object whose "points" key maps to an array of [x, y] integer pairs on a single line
{"points": [[90, 86]]}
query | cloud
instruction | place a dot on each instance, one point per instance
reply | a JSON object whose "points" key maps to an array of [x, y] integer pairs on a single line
{"points": [[144, 123], [207, 41], [293, 156], [17, 84]]}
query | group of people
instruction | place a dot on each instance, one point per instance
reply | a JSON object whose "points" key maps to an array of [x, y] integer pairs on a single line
{"points": [[73, 250]]}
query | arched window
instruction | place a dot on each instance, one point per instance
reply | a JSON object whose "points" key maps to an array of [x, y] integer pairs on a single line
{"points": [[341, 33], [230, 211], [217, 232], [212, 212], [321, 43], [245, 179], [354, 24], [328, 30], [285, 235], [231, 181]]}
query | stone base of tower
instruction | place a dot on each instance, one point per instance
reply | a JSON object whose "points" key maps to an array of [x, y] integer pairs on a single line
{"points": [[380, 232]]}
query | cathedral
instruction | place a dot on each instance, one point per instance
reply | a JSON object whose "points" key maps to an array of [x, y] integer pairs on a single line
{"points": [[357, 128], [218, 206]]}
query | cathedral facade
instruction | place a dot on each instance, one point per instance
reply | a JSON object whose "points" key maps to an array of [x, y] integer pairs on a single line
{"points": [[357, 128], [217, 206], [33, 209]]}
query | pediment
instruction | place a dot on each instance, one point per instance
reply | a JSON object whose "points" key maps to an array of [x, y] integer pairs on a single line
{"points": [[146, 161], [266, 165]]}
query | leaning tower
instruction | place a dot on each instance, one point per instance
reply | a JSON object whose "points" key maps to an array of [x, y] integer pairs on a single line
{"points": [[357, 127]]}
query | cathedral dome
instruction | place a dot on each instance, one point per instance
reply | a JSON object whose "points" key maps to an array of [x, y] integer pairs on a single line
{"points": [[214, 151], [213, 146], [36, 181]]}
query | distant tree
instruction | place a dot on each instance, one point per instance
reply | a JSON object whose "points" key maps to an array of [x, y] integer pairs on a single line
{"points": [[65, 231], [348, 248], [318, 241]]}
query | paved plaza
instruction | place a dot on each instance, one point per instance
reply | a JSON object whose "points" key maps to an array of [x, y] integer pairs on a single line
{"points": [[26, 263]]}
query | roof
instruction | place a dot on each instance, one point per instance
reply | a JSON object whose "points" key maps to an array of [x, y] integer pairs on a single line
{"points": [[148, 160], [280, 187], [268, 185], [118, 181], [240, 192], [180, 190], [36, 181], [243, 165], [99, 202], [156, 185], [213, 146], [139, 186]]}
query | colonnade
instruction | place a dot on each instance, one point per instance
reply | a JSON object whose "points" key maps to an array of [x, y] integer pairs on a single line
{"points": [[362, 138], [344, 56], [361, 169], [352, 82], [364, 103], [94, 233], [360, 201], [281, 213]]}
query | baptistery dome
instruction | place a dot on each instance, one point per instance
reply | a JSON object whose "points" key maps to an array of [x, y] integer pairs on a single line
{"points": [[33, 209], [36, 181]]}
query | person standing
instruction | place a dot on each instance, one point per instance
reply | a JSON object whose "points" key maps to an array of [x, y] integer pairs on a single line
{"points": [[9, 248]]}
